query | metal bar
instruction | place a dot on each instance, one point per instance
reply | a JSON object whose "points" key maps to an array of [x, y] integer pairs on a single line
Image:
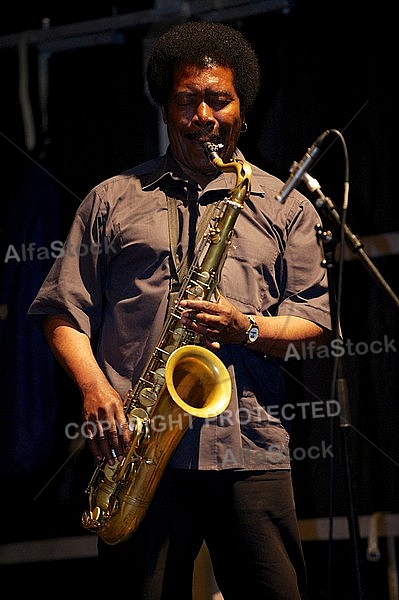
{"points": [[206, 9]]}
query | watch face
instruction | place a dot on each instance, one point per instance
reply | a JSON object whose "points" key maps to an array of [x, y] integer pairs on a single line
{"points": [[253, 334]]}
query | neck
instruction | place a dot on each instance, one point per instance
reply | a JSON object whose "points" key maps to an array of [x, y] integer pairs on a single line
{"points": [[201, 178]]}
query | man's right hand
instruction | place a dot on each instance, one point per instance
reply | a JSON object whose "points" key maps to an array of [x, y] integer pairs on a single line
{"points": [[105, 424], [103, 413]]}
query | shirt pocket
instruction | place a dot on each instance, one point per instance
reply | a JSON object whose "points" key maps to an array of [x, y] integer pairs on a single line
{"points": [[249, 278]]}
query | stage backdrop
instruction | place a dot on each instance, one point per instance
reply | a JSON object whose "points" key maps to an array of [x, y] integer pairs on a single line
{"points": [[92, 120]]}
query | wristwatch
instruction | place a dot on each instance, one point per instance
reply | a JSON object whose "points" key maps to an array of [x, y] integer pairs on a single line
{"points": [[252, 333]]}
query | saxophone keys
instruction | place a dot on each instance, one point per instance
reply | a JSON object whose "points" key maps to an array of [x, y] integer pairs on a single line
{"points": [[96, 514], [137, 417], [147, 397], [177, 335], [198, 291], [92, 519]]}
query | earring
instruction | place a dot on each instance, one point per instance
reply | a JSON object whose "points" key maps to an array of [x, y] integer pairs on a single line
{"points": [[244, 127]]}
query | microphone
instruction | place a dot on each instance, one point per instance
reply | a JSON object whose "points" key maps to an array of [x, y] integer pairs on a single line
{"points": [[298, 170]]}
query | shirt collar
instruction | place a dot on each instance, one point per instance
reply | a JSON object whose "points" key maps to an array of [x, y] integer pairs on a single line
{"points": [[167, 168]]}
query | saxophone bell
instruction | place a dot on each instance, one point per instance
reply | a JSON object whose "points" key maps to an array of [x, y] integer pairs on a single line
{"points": [[198, 381]]}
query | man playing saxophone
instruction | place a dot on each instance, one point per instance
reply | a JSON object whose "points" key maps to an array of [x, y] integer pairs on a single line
{"points": [[228, 481]]}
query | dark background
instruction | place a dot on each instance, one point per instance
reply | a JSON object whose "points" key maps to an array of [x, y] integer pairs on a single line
{"points": [[322, 68]]}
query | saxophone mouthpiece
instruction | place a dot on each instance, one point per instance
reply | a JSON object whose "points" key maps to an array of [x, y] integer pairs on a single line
{"points": [[212, 152]]}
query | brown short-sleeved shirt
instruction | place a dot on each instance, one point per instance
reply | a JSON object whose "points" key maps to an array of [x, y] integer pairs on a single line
{"points": [[113, 275]]}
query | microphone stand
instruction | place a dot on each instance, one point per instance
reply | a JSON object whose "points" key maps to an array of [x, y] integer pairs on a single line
{"points": [[339, 386], [355, 244]]}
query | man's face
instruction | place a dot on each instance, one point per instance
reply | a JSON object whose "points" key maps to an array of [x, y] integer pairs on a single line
{"points": [[203, 106]]}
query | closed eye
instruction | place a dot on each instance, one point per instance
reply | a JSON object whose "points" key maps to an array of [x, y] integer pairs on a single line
{"points": [[215, 100]]}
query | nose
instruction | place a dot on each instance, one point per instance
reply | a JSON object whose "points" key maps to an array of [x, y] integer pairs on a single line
{"points": [[204, 116]]}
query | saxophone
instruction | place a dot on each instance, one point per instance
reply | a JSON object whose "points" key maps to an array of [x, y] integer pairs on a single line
{"points": [[181, 381]]}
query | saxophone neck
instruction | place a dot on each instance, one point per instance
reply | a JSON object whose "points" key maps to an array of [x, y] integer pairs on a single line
{"points": [[241, 168]]}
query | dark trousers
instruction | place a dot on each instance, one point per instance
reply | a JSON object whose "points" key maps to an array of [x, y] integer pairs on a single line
{"points": [[248, 522]]}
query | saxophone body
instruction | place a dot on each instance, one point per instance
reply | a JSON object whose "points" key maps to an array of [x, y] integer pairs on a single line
{"points": [[181, 381]]}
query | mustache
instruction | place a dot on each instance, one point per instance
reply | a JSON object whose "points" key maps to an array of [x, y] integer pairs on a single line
{"points": [[204, 136]]}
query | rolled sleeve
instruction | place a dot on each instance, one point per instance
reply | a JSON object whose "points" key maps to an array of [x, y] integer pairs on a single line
{"points": [[75, 281]]}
